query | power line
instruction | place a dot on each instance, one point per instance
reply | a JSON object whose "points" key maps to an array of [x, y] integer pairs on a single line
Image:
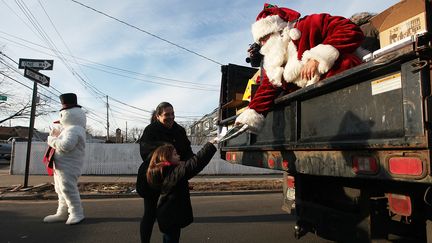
{"points": [[90, 64], [154, 82], [30, 88], [61, 55], [151, 34], [17, 71]]}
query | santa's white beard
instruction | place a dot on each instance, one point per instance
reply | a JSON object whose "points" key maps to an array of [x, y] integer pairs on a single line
{"points": [[275, 57]]}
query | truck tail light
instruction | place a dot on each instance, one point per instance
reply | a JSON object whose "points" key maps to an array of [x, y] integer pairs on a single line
{"points": [[228, 156], [290, 182], [406, 166], [400, 204], [364, 165], [271, 163], [285, 164], [231, 156]]}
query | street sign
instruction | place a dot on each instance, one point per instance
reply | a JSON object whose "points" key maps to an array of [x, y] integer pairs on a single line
{"points": [[3, 98], [36, 64], [36, 76]]}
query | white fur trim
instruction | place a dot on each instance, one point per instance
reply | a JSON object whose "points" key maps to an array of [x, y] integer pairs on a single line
{"points": [[293, 67], [326, 55], [275, 76], [253, 119], [266, 26], [275, 52], [295, 34]]}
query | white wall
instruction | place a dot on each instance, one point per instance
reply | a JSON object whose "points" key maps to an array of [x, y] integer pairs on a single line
{"points": [[115, 159]]}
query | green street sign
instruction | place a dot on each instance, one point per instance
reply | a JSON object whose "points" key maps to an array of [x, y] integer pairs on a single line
{"points": [[3, 98]]}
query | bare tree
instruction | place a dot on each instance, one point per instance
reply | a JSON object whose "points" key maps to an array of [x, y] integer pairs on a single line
{"points": [[134, 134], [18, 106], [93, 132], [17, 110]]}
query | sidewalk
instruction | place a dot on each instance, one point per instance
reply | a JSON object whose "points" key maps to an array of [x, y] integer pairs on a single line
{"points": [[116, 186]]}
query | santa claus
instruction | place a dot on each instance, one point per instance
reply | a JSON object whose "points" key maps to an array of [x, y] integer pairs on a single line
{"points": [[69, 145], [298, 52]]}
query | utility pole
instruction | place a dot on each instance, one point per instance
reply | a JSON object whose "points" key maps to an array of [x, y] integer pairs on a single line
{"points": [[126, 139], [107, 138]]}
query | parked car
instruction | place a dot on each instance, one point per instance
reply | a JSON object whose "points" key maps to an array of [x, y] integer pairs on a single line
{"points": [[5, 151]]}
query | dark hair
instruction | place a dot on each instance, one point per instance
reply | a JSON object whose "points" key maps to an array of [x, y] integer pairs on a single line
{"points": [[160, 156], [159, 110]]}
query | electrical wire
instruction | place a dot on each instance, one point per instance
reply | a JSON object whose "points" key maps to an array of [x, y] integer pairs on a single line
{"points": [[147, 32], [91, 64], [98, 94]]}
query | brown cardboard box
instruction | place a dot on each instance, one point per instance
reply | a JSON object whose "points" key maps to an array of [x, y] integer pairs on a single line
{"points": [[236, 102], [401, 20]]}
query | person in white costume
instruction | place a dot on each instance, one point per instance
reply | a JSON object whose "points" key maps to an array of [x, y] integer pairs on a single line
{"points": [[69, 145]]}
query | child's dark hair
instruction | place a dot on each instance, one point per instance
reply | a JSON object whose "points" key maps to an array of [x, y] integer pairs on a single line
{"points": [[160, 156]]}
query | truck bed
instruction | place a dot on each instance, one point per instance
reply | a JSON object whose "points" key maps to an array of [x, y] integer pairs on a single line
{"points": [[378, 109]]}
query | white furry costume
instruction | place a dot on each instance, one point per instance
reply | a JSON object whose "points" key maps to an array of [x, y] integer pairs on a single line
{"points": [[68, 162]]}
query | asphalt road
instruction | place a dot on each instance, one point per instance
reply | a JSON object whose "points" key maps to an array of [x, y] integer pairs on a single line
{"points": [[238, 218]]}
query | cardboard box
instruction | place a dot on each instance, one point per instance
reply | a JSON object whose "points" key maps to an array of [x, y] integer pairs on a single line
{"points": [[236, 102], [404, 19]]}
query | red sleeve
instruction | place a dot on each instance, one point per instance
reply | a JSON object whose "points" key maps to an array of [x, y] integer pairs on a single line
{"points": [[264, 97]]}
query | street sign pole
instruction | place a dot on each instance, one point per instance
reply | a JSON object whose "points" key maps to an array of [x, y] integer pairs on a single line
{"points": [[31, 67], [30, 134]]}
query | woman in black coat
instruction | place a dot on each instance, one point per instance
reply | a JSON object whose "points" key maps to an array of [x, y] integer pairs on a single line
{"points": [[162, 129], [170, 175]]}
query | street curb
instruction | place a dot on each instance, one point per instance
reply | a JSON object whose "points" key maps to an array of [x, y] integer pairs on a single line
{"points": [[241, 192], [130, 195]]}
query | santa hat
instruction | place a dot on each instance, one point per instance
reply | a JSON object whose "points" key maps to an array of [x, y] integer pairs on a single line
{"points": [[273, 19]]}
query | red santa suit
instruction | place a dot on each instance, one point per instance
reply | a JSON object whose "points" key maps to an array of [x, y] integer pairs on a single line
{"points": [[330, 40]]}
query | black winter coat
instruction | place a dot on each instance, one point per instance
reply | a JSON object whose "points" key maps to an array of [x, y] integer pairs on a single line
{"points": [[174, 208], [153, 136]]}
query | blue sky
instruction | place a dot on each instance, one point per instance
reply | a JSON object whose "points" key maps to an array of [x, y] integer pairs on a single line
{"points": [[95, 55]]}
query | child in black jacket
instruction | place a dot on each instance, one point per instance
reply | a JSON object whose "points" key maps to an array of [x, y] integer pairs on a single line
{"points": [[170, 175]]}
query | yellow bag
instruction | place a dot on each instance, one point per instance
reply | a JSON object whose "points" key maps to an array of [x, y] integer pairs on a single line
{"points": [[248, 91]]}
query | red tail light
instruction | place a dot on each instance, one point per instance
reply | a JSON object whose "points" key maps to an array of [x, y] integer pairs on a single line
{"points": [[406, 166], [400, 204], [290, 182], [367, 165], [285, 164], [271, 163], [231, 156]]}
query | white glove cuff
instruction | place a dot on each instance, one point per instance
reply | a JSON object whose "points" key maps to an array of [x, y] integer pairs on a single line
{"points": [[253, 119]]}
